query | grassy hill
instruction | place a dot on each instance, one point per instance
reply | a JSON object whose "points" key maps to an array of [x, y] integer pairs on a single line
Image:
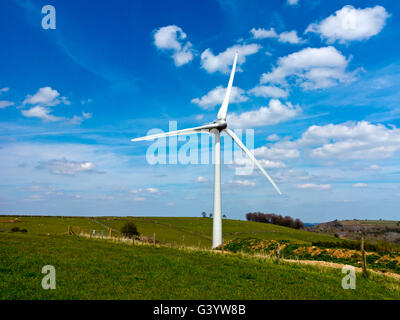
{"points": [[100, 269], [174, 230], [48, 224]]}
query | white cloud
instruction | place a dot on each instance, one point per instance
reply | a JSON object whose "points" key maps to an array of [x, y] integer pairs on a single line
{"points": [[183, 56], [273, 137], [46, 97], [86, 101], [145, 190], [67, 167], [245, 183], [40, 112], [276, 112], [351, 24], [167, 37], [291, 176], [269, 164], [223, 61], [284, 37], [139, 199], [79, 119], [290, 37], [312, 68], [268, 92], [44, 113], [5, 104], [278, 151], [34, 197], [353, 140], [201, 179], [292, 2], [216, 96], [314, 186], [346, 141], [261, 33], [173, 38], [359, 185]]}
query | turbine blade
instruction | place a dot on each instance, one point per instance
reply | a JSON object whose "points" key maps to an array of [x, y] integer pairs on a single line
{"points": [[251, 156], [176, 133], [224, 107]]}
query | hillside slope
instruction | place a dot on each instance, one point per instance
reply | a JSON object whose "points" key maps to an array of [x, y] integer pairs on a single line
{"points": [[173, 230], [99, 269], [197, 230]]}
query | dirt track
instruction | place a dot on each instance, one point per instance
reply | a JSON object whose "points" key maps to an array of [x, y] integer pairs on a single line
{"points": [[340, 266]]}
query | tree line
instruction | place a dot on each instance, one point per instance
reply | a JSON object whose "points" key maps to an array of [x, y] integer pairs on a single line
{"points": [[275, 219]]}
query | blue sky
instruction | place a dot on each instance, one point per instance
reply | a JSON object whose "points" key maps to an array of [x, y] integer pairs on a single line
{"points": [[318, 81]]}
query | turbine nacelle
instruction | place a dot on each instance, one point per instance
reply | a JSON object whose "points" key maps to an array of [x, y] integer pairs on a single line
{"points": [[220, 124]]}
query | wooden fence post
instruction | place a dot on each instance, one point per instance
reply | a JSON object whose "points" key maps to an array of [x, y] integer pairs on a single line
{"points": [[363, 258], [278, 251], [183, 241], [154, 238]]}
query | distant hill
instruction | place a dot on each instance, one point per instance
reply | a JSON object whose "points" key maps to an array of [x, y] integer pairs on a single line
{"points": [[309, 224], [375, 230]]}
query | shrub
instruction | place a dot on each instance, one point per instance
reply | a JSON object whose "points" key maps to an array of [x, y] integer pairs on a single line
{"points": [[275, 219], [129, 230], [16, 229]]}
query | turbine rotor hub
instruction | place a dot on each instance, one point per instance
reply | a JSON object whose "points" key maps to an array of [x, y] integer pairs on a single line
{"points": [[221, 124]]}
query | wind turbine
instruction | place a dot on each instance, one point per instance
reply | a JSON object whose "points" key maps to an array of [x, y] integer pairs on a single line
{"points": [[216, 127]]}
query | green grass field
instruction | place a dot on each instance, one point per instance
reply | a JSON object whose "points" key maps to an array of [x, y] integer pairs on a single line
{"points": [[49, 225], [174, 230], [99, 269], [102, 269]]}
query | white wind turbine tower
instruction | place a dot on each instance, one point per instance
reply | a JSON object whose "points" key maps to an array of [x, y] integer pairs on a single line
{"points": [[216, 127]]}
